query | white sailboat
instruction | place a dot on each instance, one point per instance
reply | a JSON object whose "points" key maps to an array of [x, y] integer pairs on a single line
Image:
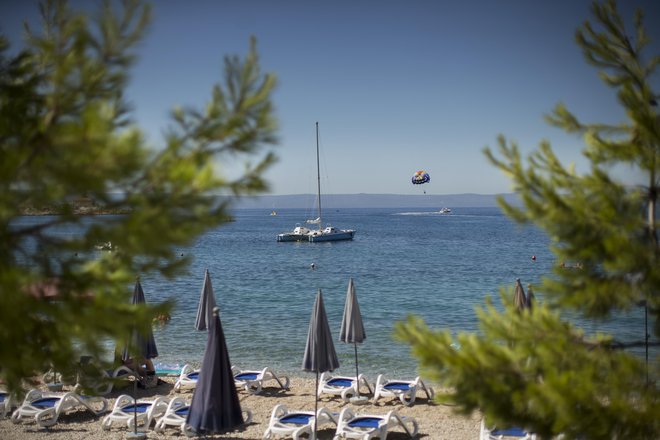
{"points": [[329, 233]]}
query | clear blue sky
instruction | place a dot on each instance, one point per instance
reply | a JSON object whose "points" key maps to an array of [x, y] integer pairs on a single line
{"points": [[396, 86]]}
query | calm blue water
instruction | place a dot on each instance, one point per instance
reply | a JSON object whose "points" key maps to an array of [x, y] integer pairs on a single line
{"points": [[402, 261]]}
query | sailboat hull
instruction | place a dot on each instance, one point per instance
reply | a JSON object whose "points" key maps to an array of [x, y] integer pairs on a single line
{"points": [[331, 234]]}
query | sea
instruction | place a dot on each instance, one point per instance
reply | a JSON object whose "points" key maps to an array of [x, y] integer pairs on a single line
{"points": [[440, 267]]}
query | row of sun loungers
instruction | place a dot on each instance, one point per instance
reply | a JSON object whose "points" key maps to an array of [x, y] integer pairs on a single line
{"points": [[45, 409], [164, 412], [346, 387]]}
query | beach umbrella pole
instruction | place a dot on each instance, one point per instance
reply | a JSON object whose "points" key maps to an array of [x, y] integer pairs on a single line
{"points": [[316, 402], [135, 435], [357, 374]]}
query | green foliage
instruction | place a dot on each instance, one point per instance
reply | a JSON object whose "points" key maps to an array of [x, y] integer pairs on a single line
{"points": [[534, 368], [66, 135]]}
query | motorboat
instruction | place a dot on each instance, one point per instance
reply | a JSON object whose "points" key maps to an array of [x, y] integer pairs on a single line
{"points": [[445, 211]]}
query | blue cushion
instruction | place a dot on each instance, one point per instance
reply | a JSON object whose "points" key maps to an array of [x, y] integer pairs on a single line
{"points": [[297, 419], [183, 411], [365, 422], [340, 383], [397, 386], [246, 376], [511, 432], [140, 407], [46, 402]]}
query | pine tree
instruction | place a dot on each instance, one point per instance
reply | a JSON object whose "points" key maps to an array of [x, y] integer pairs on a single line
{"points": [[66, 136], [535, 368]]}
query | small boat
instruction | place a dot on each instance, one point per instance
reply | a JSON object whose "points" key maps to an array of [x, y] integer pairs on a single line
{"points": [[445, 211], [273, 213], [329, 233], [107, 246], [299, 233]]}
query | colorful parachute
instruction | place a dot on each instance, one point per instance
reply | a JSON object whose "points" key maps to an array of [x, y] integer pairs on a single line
{"points": [[421, 177]]}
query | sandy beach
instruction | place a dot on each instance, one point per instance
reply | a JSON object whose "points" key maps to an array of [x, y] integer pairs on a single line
{"points": [[436, 421]]}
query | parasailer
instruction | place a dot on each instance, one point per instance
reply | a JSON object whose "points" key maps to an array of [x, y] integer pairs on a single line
{"points": [[421, 177]]}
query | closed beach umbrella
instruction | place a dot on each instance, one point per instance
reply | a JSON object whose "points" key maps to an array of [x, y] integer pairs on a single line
{"points": [[206, 304], [215, 407], [519, 299], [530, 297], [320, 355], [352, 328], [144, 344]]}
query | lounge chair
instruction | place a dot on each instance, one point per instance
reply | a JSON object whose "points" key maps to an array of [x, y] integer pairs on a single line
{"points": [[109, 378], [127, 410], [6, 403], [405, 390], [46, 408], [345, 386], [252, 380], [296, 423], [187, 379], [176, 414], [365, 427], [497, 433]]}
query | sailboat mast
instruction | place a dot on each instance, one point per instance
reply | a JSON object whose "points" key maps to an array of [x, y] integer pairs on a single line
{"points": [[318, 175]]}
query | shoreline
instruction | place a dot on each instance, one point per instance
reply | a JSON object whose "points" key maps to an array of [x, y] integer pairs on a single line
{"points": [[436, 421]]}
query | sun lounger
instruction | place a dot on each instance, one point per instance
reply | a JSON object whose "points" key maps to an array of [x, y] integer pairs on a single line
{"points": [[365, 427], [6, 403], [46, 408], [405, 390], [296, 423], [108, 380], [345, 386], [126, 411], [508, 433], [187, 379], [176, 414], [253, 380]]}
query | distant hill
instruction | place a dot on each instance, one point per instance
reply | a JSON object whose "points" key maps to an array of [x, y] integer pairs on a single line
{"points": [[307, 201]]}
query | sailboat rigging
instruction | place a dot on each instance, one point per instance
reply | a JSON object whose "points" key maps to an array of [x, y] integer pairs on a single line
{"points": [[329, 233]]}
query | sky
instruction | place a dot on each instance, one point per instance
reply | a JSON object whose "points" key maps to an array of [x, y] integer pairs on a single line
{"points": [[396, 86]]}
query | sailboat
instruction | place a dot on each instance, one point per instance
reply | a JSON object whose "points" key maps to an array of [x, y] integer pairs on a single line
{"points": [[329, 233]]}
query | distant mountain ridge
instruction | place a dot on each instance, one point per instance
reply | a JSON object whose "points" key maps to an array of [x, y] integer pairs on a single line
{"points": [[306, 201]]}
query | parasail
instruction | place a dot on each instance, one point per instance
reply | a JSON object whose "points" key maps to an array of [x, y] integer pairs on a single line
{"points": [[421, 177]]}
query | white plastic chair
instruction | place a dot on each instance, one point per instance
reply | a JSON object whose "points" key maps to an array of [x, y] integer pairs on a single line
{"points": [[6, 403], [46, 408], [405, 390], [127, 410], [296, 423], [253, 380], [345, 386], [187, 379], [365, 427]]}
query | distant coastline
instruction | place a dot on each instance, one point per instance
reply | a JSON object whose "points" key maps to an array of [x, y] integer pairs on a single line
{"points": [[306, 201], [81, 206], [335, 201]]}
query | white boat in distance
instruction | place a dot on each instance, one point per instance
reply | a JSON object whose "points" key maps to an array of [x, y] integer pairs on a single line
{"points": [[329, 233], [445, 211]]}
